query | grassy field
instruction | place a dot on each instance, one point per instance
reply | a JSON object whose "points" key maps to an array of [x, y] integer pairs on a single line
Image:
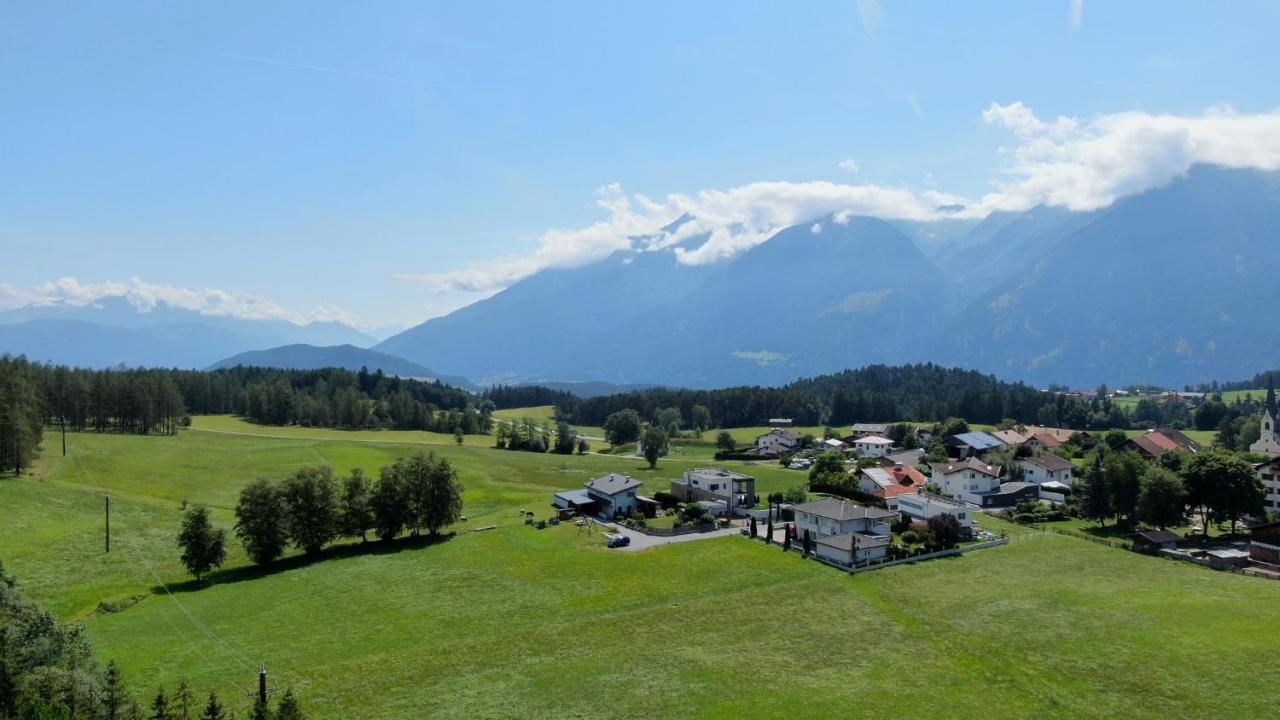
{"points": [[520, 622], [545, 416]]}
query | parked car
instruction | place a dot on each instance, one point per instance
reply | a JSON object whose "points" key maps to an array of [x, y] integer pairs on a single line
{"points": [[617, 540]]}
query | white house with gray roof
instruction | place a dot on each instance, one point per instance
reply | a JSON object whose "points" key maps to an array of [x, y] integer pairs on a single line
{"points": [[1041, 469], [614, 494], [843, 531]]}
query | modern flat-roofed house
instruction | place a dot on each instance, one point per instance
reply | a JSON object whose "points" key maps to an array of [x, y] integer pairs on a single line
{"points": [[1040, 469], [716, 484], [844, 532], [614, 494], [923, 506], [777, 442], [861, 430], [971, 444], [888, 483], [873, 446]]}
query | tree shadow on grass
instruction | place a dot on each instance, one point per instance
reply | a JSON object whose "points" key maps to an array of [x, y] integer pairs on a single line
{"points": [[294, 562]]}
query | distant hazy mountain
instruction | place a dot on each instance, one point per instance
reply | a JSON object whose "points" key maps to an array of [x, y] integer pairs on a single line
{"points": [[788, 307], [1172, 286], [311, 357], [595, 389], [114, 331]]}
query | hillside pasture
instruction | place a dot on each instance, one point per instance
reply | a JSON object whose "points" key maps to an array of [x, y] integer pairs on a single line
{"points": [[521, 622]]}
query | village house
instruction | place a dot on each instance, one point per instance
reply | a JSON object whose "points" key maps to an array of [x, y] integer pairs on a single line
{"points": [[887, 483], [1269, 474], [1154, 540], [923, 505], [715, 484], [1041, 469], [861, 430], [1011, 438], [971, 444], [830, 445], [1042, 442], [1269, 441], [844, 532], [976, 481], [1154, 443], [607, 496], [777, 442], [872, 446]]}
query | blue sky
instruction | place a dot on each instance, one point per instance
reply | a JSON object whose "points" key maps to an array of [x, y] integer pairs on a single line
{"points": [[350, 156]]}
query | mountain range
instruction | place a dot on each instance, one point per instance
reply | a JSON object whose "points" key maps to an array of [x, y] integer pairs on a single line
{"points": [[1175, 285], [113, 331], [310, 357]]}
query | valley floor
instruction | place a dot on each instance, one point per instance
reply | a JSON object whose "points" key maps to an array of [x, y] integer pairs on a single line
{"points": [[520, 622]]}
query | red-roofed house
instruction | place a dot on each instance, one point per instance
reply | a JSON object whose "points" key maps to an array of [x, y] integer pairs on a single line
{"points": [[890, 482]]}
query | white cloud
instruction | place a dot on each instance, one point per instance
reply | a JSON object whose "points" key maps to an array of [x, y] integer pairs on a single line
{"points": [[1085, 164], [146, 297], [870, 15], [849, 164], [816, 228], [1078, 163], [1077, 14]]}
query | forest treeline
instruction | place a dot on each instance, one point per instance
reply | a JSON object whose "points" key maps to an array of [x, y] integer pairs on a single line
{"points": [[878, 393], [34, 396]]}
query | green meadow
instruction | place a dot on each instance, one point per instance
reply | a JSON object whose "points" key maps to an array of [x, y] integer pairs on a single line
{"points": [[517, 622]]}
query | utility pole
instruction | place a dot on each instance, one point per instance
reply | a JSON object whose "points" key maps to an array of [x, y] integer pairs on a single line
{"points": [[262, 685], [106, 506]]}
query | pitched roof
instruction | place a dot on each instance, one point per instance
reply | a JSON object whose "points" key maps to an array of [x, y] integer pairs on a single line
{"points": [[1159, 537], [613, 483], [1049, 462], [874, 428], [896, 480], [841, 510], [1046, 440], [968, 464], [1148, 446], [977, 440], [1182, 439], [874, 440], [784, 434], [1010, 437], [1059, 434]]}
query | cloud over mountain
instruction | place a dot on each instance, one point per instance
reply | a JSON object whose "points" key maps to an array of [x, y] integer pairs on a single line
{"points": [[1070, 162], [145, 297]]}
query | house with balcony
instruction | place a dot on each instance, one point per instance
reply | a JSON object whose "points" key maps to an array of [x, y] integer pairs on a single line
{"points": [[715, 484], [844, 532]]}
